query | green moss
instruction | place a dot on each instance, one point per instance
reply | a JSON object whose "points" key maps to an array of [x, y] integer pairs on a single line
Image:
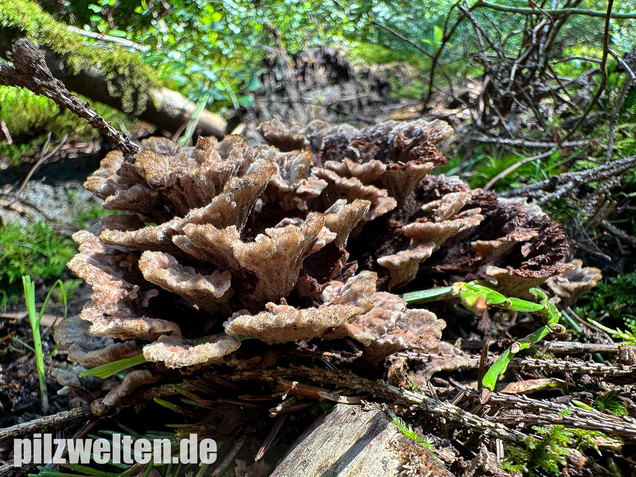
{"points": [[408, 431], [40, 116], [547, 454], [126, 74]]}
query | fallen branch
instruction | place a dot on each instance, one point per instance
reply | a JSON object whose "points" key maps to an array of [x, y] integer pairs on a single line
{"points": [[395, 395], [56, 421], [564, 183], [618, 232], [532, 144], [31, 72], [520, 409], [575, 366]]}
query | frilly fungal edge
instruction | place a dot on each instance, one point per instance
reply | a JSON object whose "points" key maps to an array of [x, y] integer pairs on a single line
{"points": [[306, 236]]}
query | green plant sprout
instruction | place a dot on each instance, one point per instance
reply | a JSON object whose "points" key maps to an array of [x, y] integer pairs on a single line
{"points": [[35, 318], [107, 370], [408, 431], [477, 296], [627, 337]]}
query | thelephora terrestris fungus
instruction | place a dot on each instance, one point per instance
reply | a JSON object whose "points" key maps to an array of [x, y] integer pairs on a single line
{"points": [[308, 235]]}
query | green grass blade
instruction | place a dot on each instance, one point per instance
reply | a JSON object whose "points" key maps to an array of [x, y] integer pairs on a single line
{"points": [[424, 296], [29, 299], [48, 295], [108, 369]]}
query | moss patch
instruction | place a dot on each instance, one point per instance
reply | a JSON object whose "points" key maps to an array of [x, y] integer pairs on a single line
{"points": [[126, 74]]}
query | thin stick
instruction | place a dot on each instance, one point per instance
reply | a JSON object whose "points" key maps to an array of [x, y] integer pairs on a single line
{"points": [[43, 158], [56, 421], [553, 12], [516, 165], [402, 37], [602, 67], [627, 86]]}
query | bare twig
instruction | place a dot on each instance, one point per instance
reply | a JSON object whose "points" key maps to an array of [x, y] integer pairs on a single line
{"points": [[553, 12], [109, 38], [563, 184], [516, 165], [5, 132], [56, 421], [447, 34], [575, 366], [627, 86], [630, 239], [533, 144], [43, 158], [602, 67], [520, 409], [574, 347], [401, 37], [30, 71], [342, 379]]}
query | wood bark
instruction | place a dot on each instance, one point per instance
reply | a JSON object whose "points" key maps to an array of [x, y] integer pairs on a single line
{"points": [[167, 109], [351, 441]]}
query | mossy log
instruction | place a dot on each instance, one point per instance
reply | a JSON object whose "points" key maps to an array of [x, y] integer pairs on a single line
{"points": [[110, 75], [351, 441]]}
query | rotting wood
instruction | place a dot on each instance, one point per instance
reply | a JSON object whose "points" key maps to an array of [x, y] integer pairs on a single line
{"points": [[351, 441]]}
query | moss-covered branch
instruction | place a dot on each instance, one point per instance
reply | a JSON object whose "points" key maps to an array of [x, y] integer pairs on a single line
{"points": [[106, 73]]}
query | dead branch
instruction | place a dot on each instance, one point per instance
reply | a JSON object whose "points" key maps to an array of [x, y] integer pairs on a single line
{"points": [[532, 144], [520, 409], [603, 69], [31, 72], [573, 347], [606, 370], [562, 184], [109, 38], [627, 86], [551, 12], [56, 421], [43, 158], [618, 233]]}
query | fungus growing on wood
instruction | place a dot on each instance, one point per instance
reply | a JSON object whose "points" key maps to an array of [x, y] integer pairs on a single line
{"points": [[304, 238], [569, 286], [341, 302]]}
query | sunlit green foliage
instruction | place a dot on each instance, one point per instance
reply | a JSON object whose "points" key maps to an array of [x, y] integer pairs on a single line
{"points": [[35, 250], [408, 431], [548, 453], [38, 117], [614, 296], [611, 402]]}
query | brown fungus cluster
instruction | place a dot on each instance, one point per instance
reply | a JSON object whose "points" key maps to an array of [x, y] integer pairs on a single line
{"points": [[305, 236]]}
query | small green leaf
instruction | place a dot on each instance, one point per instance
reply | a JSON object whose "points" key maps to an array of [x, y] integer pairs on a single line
{"points": [[254, 83], [117, 33], [438, 34]]}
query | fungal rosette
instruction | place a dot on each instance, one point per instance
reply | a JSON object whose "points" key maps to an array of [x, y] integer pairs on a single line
{"points": [[308, 235]]}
